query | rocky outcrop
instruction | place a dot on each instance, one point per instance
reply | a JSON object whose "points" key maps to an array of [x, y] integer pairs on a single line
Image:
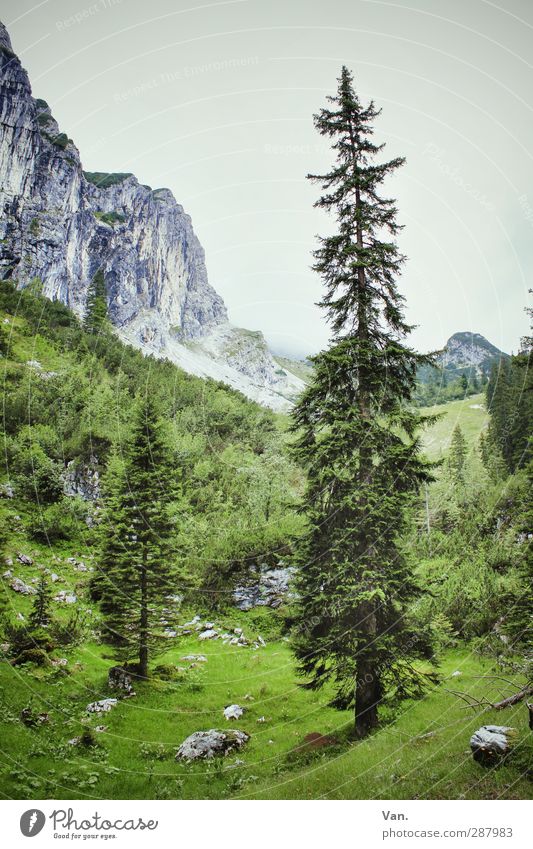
{"points": [[82, 480], [61, 225], [264, 587], [207, 744], [467, 350]]}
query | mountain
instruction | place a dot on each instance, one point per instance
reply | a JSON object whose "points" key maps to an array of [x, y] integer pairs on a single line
{"points": [[467, 350], [61, 225]]}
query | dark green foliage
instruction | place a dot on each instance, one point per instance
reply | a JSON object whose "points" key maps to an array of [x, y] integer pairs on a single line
{"points": [[457, 455], [40, 612], [111, 218], [137, 564], [358, 439], [510, 403], [96, 317], [60, 140], [104, 180], [32, 655], [519, 614]]}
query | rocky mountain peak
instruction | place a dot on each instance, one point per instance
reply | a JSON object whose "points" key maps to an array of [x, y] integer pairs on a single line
{"points": [[5, 41], [467, 349], [61, 225]]}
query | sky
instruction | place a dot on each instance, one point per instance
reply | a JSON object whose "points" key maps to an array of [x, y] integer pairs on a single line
{"points": [[214, 100]]}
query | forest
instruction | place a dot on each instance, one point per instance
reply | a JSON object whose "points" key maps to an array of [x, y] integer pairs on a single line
{"points": [[342, 594]]}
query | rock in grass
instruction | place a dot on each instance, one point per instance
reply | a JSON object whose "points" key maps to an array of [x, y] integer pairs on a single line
{"points": [[198, 658], [102, 706], [490, 743], [20, 587], [24, 559], [208, 744], [208, 634], [119, 679], [233, 711]]}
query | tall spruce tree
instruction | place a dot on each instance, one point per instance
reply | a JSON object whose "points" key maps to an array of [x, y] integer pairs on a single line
{"points": [[136, 564], [96, 315], [357, 436]]}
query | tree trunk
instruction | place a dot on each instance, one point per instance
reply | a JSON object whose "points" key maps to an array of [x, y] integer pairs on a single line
{"points": [[143, 630], [367, 693]]}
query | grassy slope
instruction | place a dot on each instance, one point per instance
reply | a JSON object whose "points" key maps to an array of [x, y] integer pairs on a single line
{"points": [[394, 763], [470, 414], [297, 367]]}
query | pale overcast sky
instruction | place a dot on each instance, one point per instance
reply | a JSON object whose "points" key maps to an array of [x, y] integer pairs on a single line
{"points": [[215, 101]]}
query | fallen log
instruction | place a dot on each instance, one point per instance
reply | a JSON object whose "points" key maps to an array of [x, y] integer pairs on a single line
{"points": [[513, 700]]}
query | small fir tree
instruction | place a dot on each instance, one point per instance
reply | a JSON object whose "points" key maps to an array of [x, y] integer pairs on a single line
{"points": [[40, 613], [136, 566], [96, 313], [457, 455]]}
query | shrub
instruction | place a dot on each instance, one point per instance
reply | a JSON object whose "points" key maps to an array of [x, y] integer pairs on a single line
{"points": [[63, 520], [35, 656]]}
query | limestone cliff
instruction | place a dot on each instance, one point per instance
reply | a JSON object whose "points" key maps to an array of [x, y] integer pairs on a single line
{"points": [[61, 224]]}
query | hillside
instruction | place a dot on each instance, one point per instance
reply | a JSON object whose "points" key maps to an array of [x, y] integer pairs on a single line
{"points": [[52, 746], [469, 413]]}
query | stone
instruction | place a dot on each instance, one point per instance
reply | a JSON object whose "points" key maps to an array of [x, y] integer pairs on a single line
{"points": [[24, 559], [208, 744], [119, 679], [7, 574], [456, 674], [102, 706], [195, 658], [54, 577], [60, 661], [66, 597], [20, 587], [6, 491], [210, 634], [233, 712], [490, 743]]}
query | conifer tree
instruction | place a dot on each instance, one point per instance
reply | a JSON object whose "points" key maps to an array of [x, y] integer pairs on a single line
{"points": [[96, 315], [457, 455], [40, 613], [357, 436], [136, 566]]}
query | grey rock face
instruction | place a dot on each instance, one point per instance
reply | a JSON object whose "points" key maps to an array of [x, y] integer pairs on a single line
{"points": [[466, 349], [60, 225], [83, 481], [266, 588]]}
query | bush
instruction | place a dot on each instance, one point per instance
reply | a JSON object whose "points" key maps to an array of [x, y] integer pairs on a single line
{"points": [[35, 656], [24, 639], [63, 520]]}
